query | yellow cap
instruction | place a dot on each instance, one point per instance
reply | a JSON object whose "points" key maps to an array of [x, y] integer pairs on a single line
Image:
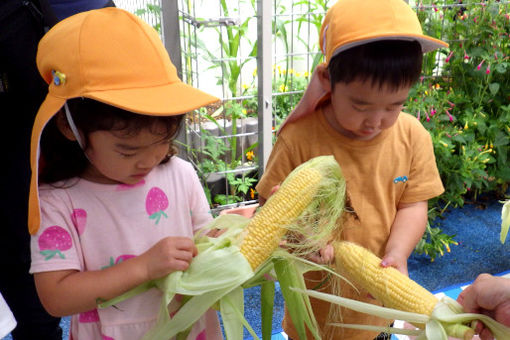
{"points": [[350, 23], [111, 56]]}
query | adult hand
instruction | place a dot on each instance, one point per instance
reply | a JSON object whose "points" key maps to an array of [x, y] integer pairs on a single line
{"points": [[489, 295]]}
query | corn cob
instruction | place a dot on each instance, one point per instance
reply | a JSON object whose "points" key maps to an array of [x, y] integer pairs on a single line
{"points": [[267, 227], [388, 285]]}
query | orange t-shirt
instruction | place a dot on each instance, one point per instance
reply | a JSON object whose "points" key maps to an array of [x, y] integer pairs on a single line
{"points": [[397, 166]]}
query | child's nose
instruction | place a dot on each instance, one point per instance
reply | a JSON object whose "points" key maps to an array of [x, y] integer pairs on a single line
{"points": [[374, 119], [149, 161]]}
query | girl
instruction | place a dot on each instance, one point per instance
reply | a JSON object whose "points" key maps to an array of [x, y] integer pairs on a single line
{"points": [[115, 207]]}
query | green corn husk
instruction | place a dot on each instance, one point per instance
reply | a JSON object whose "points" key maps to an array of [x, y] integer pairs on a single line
{"points": [[217, 275], [505, 221]]}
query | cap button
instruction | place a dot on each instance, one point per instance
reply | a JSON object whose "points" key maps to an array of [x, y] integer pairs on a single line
{"points": [[59, 78]]}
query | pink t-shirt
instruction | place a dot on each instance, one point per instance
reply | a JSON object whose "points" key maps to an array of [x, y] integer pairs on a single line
{"points": [[90, 226]]}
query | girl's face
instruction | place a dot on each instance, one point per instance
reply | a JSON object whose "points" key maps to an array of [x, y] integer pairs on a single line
{"points": [[119, 158]]}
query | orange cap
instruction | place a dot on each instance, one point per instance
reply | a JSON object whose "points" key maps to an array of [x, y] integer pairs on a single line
{"points": [[349, 23], [111, 56]]}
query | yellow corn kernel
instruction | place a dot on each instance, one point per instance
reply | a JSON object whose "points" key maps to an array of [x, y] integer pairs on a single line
{"points": [[266, 229], [388, 285]]}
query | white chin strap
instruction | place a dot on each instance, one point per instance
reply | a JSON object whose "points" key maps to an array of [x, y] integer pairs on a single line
{"points": [[73, 127]]}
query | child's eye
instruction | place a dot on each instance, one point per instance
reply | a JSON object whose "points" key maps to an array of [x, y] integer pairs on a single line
{"points": [[395, 108], [126, 155], [360, 108]]}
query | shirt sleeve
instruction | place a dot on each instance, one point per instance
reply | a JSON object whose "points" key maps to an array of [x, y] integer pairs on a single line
{"points": [[424, 181], [280, 164], [56, 244]]}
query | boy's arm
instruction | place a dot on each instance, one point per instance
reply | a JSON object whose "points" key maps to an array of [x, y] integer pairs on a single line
{"points": [[406, 231], [67, 292]]}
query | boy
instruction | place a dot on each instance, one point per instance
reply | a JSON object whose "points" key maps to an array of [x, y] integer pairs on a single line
{"points": [[352, 109]]}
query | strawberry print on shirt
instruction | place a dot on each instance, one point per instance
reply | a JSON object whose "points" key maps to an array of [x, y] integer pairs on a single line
{"points": [[155, 204], [90, 316], [79, 218], [53, 241]]}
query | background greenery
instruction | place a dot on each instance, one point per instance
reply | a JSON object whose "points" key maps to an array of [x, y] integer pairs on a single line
{"points": [[462, 99]]}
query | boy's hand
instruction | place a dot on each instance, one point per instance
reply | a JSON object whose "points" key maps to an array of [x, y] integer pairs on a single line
{"points": [[263, 200], [325, 255], [397, 262], [168, 255]]}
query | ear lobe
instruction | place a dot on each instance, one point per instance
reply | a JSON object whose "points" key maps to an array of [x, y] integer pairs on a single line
{"points": [[63, 126], [323, 76]]}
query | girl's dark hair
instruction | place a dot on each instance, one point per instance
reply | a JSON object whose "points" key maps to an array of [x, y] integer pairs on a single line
{"points": [[392, 63], [63, 159]]}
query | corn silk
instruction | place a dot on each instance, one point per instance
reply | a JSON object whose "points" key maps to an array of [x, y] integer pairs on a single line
{"points": [[219, 273]]}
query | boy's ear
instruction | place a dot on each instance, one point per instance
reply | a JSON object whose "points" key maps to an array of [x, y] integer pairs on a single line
{"points": [[63, 126], [323, 76]]}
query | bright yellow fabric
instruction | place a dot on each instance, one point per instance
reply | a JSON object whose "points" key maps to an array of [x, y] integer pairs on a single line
{"points": [[374, 172]]}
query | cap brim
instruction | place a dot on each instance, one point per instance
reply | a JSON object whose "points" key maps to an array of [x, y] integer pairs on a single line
{"points": [[164, 100], [427, 43]]}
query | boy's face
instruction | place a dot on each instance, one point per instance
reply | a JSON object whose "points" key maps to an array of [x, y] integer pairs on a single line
{"points": [[360, 110]]}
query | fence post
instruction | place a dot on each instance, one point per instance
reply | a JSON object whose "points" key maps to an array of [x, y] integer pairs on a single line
{"points": [[172, 40], [171, 33], [264, 82]]}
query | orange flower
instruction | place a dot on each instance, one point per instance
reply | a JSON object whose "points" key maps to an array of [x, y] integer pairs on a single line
{"points": [[250, 155]]}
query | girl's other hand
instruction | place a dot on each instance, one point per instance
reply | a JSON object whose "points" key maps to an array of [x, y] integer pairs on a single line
{"points": [[215, 232], [169, 255]]}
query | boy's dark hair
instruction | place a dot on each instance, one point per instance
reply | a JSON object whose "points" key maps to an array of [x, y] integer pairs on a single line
{"points": [[393, 63], [63, 159]]}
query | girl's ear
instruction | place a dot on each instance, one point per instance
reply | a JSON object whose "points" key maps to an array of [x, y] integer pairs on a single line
{"points": [[323, 76], [63, 126]]}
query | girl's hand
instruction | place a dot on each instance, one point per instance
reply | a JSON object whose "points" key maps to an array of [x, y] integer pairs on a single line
{"points": [[168, 255]]}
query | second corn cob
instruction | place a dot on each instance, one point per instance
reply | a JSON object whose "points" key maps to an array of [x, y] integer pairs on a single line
{"points": [[386, 284], [394, 289]]}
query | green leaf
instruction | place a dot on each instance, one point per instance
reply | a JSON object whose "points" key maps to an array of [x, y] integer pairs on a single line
{"points": [[368, 308], [266, 308], [381, 329], [434, 330], [501, 68], [505, 221], [231, 306], [501, 139], [297, 304], [494, 88], [459, 138]]}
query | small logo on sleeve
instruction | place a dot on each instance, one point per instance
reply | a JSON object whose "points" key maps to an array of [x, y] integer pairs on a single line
{"points": [[402, 179]]}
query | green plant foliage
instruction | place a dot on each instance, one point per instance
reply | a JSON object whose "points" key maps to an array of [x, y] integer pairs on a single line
{"points": [[464, 101], [466, 108]]}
